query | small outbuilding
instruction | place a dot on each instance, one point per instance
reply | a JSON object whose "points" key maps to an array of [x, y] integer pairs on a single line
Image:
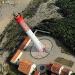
{"points": [[26, 67]]}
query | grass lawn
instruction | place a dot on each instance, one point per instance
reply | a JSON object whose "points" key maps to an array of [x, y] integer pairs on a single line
{"points": [[63, 61]]}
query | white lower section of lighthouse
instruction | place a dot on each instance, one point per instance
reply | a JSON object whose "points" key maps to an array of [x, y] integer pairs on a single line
{"points": [[39, 46]]}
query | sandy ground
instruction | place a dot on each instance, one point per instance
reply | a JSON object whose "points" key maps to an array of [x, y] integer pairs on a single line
{"points": [[44, 13], [6, 11]]}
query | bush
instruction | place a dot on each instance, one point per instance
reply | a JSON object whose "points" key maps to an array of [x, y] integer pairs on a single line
{"points": [[63, 61], [73, 74]]}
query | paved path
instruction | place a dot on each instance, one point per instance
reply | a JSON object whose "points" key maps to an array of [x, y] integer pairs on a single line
{"points": [[55, 52]]}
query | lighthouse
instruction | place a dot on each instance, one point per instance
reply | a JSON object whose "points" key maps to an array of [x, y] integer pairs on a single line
{"points": [[39, 46]]}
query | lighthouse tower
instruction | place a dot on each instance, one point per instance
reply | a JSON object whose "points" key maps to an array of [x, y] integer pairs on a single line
{"points": [[39, 46]]}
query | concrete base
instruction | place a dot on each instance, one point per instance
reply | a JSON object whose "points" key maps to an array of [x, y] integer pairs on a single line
{"points": [[40, 55]]}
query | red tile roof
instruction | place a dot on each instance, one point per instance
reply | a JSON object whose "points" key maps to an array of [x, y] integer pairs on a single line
{"points": [[24, 43], [55, 67], [20, 49], [25, 66], [36, 73], [48, 66], [65, 71]]}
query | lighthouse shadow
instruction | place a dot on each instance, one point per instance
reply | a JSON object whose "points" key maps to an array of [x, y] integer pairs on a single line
{"points": [[30, 49]]}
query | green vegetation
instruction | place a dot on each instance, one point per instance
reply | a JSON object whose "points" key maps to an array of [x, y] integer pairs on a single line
{"points": [[63, 61], [73, 74], [50, 5], [15, 35], [1, 73], [3, 34], [66, 51], [62, 29], [6, 69], [31, 9]]}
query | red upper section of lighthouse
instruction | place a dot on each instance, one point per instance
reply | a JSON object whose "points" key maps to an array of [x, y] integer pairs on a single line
{"points": [[21, 21], [19, 18]]}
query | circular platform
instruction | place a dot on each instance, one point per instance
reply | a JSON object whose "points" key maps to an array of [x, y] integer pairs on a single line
{"points": [[36, 55]]}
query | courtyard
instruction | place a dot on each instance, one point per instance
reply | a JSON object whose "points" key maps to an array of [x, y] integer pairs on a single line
{"points": [[44, 57]]}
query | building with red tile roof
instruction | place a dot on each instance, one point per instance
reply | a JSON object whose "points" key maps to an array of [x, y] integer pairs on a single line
{"points": [[65, 71], [36, 73], [49, 65], [19, 52], [58, 69], [26, 67]]}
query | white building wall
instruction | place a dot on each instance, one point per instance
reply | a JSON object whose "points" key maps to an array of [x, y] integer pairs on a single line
{"points": [[61, 69], [35, 40], [18, 57], [70, 72], [32, 69], [29, 40]]}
